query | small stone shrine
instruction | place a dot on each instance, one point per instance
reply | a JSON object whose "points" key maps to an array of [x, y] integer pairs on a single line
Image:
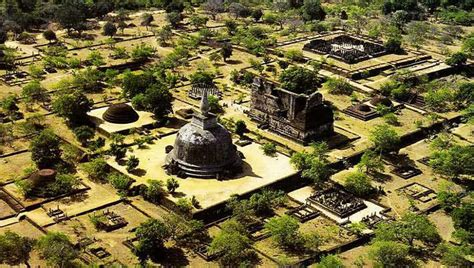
{"points": [[300, 117], [338, 202], [203, 148]]}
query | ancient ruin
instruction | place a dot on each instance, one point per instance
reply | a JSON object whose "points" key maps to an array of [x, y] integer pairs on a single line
{"points": [[346, 48], [300, 117], [120, 113], [197, 90], [203, 148], [338, 202]]}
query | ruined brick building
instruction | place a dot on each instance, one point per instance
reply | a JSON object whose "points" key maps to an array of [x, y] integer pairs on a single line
{"points": [[300, 117]]}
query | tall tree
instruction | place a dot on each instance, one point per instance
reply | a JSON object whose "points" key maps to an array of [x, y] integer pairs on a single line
{"points": [[151, 236], [72, 15], [73, 107], [57, 249], [385, 138], [109, 29], [15, 249], [45, 151], [312, 10]]}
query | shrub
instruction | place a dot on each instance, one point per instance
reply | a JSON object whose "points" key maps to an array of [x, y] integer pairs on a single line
{"points": [[132, 163], [154, 192], [172, 184], [97, 168], [184, 205], [269, 149], [457, 59], [120, 182], [391, 119], [338, 86]]}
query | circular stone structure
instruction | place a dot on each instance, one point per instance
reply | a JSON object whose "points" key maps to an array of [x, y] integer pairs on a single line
{"points": [[203, 148], [42, 177], [121, 113]]}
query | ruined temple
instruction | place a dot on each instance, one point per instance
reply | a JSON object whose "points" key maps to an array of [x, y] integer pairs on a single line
{"points": [[203, 148], [300, 117]]}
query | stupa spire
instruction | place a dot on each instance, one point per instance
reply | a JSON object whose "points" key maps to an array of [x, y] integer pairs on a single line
{"points": [[204, 103]]}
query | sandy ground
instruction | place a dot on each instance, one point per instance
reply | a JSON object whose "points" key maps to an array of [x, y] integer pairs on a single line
{"points": [[259, 170]]}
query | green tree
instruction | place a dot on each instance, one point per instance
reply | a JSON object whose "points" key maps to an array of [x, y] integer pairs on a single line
{"points": [[359, 184], [330, 261], [45, 151], [164, 34], [72, 15], [198, 21], [172, 184], [468, 45], [384, 138], [15, 249], [97, 168], [294, 55], [409, 229], [152, 236], [457, 59], [96, 59], [455, 256], [417, 33], [338, 86], [390, 254], [33, 91], [143, 52], [64, 184], [240, 128], [314, 164], [73, 107], [132, 163], [299, 80], [202, 77], [463, 218], [284, 231], [312, 10], [120, 182], [154, 192], [109, 29], [84, 134], [57, 249], [184, 205], [447, 197], [232, 243], [226, 51], [453, 162], [371, 162], [174, 18], [269, 149], [158, 101], [214, 104]]}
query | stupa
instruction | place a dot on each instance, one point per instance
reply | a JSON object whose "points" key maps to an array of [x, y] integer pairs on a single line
{"points": [[203, 148], [120, 113]]}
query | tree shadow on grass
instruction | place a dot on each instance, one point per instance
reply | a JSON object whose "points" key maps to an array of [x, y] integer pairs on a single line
{"points": [[234, 62], [139, 172], [171, 257], [381, 177]]}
